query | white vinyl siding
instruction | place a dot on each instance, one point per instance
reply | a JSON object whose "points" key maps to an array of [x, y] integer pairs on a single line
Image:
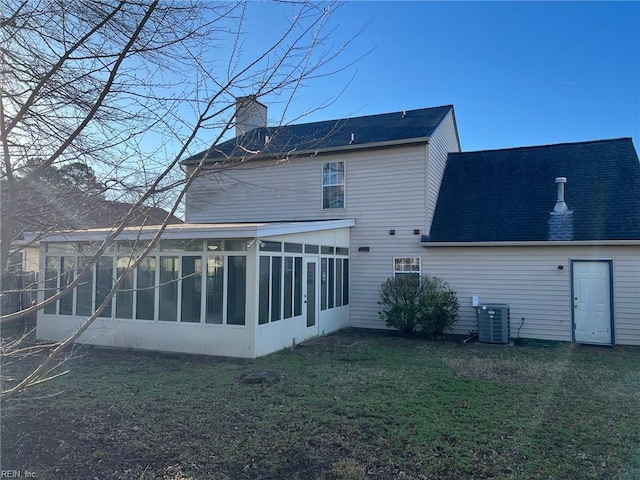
{"points": [[443, 141], [378, 184], [529, 280], [263, 190], [626, 295], [32, 259], [385, 192]]}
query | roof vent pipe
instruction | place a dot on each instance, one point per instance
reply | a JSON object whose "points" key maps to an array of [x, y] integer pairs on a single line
{"points": [[561, 206]]}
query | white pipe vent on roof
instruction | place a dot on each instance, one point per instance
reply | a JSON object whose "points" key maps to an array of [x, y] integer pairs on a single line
{"points": [[561, 206], [561, 219]]}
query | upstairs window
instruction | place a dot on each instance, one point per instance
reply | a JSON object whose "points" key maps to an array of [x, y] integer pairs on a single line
{"points": [[332, 185]]}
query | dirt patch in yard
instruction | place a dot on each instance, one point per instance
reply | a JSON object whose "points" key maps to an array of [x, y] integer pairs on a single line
{"points": [[332, 340], [63, 444], [506, 371]]}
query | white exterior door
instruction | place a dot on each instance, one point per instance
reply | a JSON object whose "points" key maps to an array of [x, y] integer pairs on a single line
{"points": [[592, 302], [311, 298]]}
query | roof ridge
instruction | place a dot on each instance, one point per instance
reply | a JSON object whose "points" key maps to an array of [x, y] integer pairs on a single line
{"points": [[399, 112], [530, 147]]}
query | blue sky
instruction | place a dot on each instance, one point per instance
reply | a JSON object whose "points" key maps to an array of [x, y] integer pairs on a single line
{"points": [[518, 73]]}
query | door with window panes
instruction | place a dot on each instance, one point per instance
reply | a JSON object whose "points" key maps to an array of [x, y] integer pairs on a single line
{"points": [[311, 297]]}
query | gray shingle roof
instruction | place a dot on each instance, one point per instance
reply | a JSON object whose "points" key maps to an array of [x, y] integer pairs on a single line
{"points": [[348, 133], [507, 195]]}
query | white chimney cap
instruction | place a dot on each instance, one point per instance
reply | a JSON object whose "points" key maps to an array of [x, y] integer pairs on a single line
{"points": [[561, 180]]}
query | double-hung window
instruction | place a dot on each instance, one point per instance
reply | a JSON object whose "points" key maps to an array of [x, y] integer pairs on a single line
{"points": [[406, 265], [333, 185]]}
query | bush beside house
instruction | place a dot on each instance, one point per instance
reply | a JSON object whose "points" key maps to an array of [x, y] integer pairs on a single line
{"points": [[411, 302]]}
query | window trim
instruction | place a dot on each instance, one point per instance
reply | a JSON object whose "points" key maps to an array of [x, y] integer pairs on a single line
{"points": [[343, 185]]}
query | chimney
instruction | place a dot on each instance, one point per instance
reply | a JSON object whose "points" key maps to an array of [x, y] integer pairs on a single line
{"points": [[250, 114], [561, 221]]}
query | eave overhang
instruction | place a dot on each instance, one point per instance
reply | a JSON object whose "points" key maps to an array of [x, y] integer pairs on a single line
{"points": [[310, 152], [189, 231]]}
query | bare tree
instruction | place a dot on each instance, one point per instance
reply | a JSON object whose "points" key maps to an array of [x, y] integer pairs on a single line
{"points": [[129, 88]]}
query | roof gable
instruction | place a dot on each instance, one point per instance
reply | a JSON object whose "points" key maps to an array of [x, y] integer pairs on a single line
{"points": [[331, 135], [507, 195]]}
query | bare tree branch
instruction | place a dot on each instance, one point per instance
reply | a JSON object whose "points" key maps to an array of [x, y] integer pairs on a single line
{"points": [[128, 88]]}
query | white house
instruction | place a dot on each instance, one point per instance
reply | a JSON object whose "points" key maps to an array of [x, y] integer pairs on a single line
{"points": [[291, 230]]}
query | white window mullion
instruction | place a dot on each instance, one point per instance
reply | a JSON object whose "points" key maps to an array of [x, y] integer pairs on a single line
{"points": [[156, 296], [94, 286], [270, 296], [203, 288], [74, 292], [225, 286], [114, 276], [134, 286], [281, 281], [114, 299], [58, 281], [179, 291]]}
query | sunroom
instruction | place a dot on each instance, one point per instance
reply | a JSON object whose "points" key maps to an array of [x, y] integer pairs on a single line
{"points": [[239, 290]]}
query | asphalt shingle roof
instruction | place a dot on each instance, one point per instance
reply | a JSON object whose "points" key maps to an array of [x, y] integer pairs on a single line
{"points": [[348, 133], [507, 195]]}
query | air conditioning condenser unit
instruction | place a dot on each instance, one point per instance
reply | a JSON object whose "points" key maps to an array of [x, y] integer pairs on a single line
{"points": [[493, 323]]}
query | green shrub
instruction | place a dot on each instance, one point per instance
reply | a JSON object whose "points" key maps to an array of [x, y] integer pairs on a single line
{"points": [[410, 302], [438, 306], [399, 298]]}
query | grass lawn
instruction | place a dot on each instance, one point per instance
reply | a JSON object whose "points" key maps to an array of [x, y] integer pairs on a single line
{"points": [[353, 405]]}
